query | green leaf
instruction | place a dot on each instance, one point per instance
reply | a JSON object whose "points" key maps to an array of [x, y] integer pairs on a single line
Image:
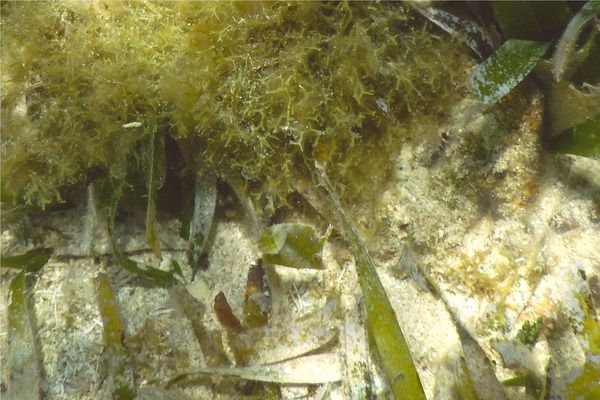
{"points": [[506, 68], [382, 324], [517, 20], [532, 20], [205, 200], [533, 387], [553, 17], [22, 355], [111, 320], [158, 276], [120, 375], [463, 380], [32, 261], [154, 165], [155, 275], [293, 245], [177, 268], [582, 140]]}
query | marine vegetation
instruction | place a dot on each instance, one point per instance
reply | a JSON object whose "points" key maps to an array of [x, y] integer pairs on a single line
{"points": [[148, 105], [168, 107], [251, 91]]}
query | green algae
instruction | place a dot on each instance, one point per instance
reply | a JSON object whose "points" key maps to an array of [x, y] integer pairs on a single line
{"points": [[253, 91], [530, 331]]}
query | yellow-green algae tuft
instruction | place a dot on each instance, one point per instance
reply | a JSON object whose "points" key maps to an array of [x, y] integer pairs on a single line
{"points": [[254, 91]]}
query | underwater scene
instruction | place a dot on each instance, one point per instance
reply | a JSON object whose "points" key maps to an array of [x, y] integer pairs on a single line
{"points": [[300, 200]]}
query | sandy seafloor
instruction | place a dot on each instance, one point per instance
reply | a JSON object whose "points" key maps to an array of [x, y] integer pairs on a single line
{"points": [[507, 232]]}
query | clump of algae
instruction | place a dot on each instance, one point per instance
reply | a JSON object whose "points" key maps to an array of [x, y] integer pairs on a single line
{"points": [[254, 91]]}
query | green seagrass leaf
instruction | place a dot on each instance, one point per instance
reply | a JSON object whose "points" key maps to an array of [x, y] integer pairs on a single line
{"points": [[154, 165], [581, 140], [506, 68], [32, 261], [205, 200], [22, 354], [293, 245], [120, 376], [382, 325]]}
